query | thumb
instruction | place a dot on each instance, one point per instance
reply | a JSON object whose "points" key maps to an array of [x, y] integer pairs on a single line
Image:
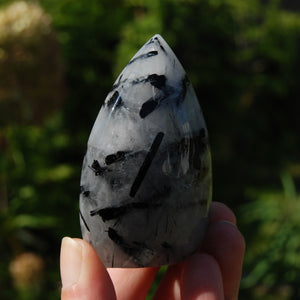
{"points": [[82, 273]]}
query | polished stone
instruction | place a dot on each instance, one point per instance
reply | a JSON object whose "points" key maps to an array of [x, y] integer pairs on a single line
{"points": [[146, 175]]}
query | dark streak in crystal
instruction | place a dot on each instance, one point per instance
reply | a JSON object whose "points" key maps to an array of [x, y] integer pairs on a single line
{"points": [[115, 100], [86, 193], [113, 261], [116, 85], [160, 45], [118, 156], [114, 236], [151, 41], [132, 250], [152, 53], [110, 213], [119, 240], [166, 245], [84, 222], [148, 107], [159, 81], [96, 168], [146, 164], [143, 56], [83, 191], [185, 84], [118, 82]]}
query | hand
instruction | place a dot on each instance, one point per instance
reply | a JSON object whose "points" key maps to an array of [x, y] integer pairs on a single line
{"points": [[213, 273]]}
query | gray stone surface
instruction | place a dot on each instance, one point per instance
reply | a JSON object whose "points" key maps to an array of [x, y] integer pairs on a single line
{"points": [[146, 175]]}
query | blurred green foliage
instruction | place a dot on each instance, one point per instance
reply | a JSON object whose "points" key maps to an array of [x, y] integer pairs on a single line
{"points": [[273, 242], [243, 60]]}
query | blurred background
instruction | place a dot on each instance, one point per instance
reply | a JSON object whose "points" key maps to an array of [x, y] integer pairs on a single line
{"points": [[59, 59]]}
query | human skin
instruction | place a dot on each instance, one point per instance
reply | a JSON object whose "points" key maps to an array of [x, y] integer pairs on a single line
{"points": [[212, 273]]}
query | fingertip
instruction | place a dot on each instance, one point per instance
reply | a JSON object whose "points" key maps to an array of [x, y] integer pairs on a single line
{"points": [[201, 278], [70, 262], [224, 235], [92, 280], [219, 211]]}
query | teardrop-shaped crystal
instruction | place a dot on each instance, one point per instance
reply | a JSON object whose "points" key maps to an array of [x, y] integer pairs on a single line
{"points": [[146, 175]]}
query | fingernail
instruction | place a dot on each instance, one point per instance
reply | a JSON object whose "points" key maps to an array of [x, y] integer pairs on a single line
{"points": [[70, 261]]}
